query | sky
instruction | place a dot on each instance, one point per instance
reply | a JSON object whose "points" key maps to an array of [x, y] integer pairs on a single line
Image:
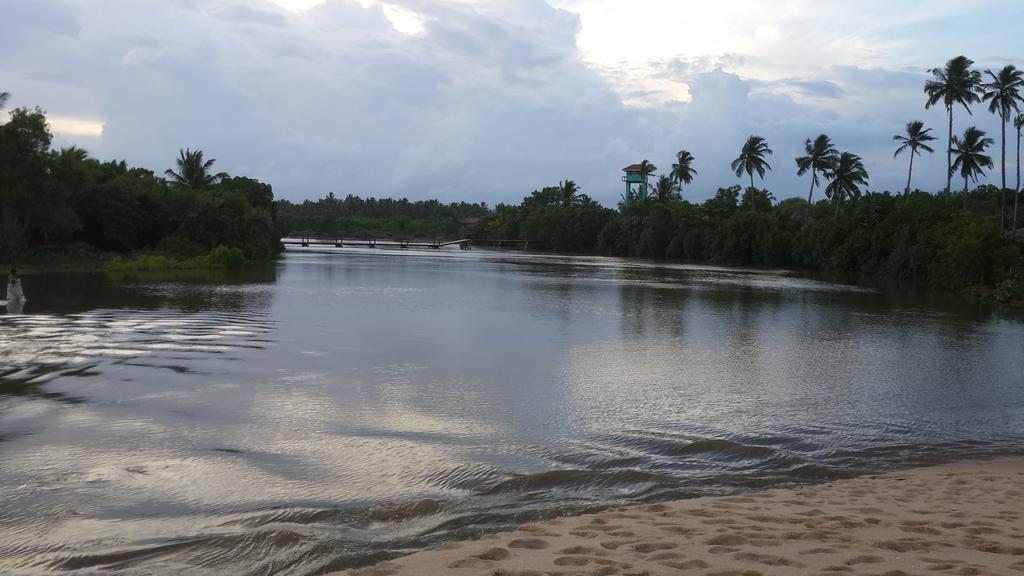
{"points": [[487, 100]]}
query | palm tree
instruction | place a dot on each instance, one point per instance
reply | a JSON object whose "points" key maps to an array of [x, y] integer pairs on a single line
{"points": [[665, 189], [953, 83], [751, 159], [1004, 98], [569, 192], [193, 172], [682, 169], [970, 155], [916, 138], [4, 96], [847, 174], [1018, 123], [820, 154]]}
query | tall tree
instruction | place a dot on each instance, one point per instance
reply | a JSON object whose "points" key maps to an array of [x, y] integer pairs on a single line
{"points": [[569, 192], [954, 83], [820, 154], [193, 172], [1018, 123], [682, 169], [4, 96], [665, 189], [914, 138], [969, 156], [751, 159], [646, 168], [847, 175], [1003, 96]]}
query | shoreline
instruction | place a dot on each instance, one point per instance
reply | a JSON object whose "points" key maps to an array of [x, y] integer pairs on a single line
{"points": [[965, 519]]}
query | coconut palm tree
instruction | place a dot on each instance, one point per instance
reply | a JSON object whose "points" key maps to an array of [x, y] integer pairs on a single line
{"points": [[665, 189], [569, 192], [847, 175], [751, 159], [820, 154], [954, 83], [1004, 98], [915, 138], [969, 156], [682, 169], [1018, 123], [193, 172]]}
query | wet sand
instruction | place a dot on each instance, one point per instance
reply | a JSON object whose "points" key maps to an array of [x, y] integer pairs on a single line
{"points": [[962, 519]]}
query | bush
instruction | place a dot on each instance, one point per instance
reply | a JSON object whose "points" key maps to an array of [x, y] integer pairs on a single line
{"points": [[220, 258]]}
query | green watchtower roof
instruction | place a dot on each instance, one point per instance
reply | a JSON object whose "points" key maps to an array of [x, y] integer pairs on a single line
{"points": [[634, 174]]}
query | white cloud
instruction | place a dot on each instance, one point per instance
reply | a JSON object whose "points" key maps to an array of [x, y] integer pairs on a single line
{"points": [[487, 100]]}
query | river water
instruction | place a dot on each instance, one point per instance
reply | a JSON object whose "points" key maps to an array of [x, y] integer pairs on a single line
{"points": [[339, 408]]}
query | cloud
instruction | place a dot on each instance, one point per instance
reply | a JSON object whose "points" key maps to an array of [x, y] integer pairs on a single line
{"points": [[475, 100]]}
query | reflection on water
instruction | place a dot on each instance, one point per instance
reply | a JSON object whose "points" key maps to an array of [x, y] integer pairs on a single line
{"points": [[349, 406]]}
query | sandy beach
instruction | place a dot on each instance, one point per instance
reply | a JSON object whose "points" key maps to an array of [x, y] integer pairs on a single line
{"points": [[959, 519]]}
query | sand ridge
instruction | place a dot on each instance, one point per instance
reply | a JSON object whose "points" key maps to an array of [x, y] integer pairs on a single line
{"points": [[964, 519]]}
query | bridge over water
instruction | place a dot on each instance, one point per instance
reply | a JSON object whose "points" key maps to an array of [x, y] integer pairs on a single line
{"points": [[462, 243]]}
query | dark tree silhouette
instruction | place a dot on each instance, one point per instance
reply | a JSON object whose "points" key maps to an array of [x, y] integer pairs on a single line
{"points": [[1018, 123], [569, 192], [847, 175], [1004, 98], [914, 138], [969, 156], [953, 83], [682, 169], [193, 172], [665, 189], [820, 153], [751, 159]]}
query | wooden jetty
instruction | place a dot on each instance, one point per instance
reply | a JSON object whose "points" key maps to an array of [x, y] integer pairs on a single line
{"points": [[463, 243]]}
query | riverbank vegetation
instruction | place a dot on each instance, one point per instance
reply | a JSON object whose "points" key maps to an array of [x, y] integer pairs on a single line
{"points": [[192, 216], [355, 217], [952, 239], [59, 204]]}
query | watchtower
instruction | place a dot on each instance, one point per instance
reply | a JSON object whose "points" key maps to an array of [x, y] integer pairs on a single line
{"points": [[635, 175]]}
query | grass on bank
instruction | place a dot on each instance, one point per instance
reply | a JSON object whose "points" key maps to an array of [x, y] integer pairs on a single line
{"points": [[220, 258]]}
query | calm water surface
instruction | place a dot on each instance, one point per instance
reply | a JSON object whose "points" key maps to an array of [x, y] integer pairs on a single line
{"points": [[344, 407]]}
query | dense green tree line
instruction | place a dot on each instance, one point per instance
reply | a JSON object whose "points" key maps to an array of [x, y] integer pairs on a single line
{"points": [[63, 196], [953, 239], [956, 238], [913, 240], [355, 217]]}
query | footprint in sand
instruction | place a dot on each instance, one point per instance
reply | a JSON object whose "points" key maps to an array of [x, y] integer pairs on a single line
{"points": [[680, 530], [768, 559], [572, 561], [996, 548], [578, 550], [493, 554], [727, 540], [686, 565], [661, 556], [863, 559], [647, 547], [529, 543]]}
